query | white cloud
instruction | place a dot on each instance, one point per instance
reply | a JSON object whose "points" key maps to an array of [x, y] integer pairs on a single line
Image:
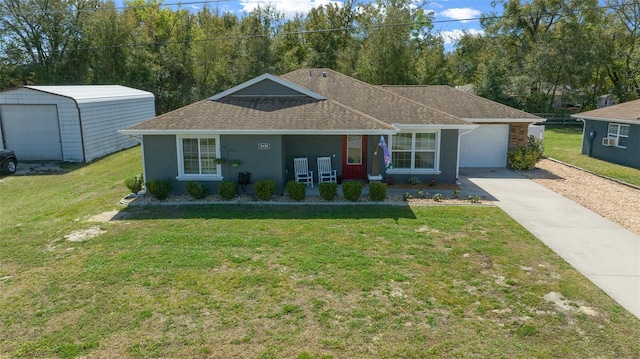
{"points": [[461, 13], [289, 7], [452, 36]]}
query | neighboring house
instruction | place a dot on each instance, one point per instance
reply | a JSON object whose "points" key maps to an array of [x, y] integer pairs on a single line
{"points": [[268, 121], [613, 133], [70, 123]]}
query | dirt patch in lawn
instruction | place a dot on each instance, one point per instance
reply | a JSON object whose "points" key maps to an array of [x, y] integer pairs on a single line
{"points": [[564, 305], [109, 216], [84, 234]]}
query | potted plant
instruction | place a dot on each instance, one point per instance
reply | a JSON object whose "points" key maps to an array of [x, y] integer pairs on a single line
{"points": [[221, 160], [235, 163]]}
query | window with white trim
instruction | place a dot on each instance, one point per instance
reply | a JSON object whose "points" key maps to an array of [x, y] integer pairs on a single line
{"points": [[620, 132], [414, 151], [197, 157]]}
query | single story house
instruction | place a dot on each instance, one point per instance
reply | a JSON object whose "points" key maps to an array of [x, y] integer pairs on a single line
{"points": [[612, 133], [70, 123], [430, 131]]}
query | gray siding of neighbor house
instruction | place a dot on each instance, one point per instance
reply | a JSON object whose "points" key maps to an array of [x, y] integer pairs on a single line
{"points": [[626, 157]]}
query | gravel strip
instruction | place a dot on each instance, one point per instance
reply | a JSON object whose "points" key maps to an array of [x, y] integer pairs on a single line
{"points": [[617, 202]]}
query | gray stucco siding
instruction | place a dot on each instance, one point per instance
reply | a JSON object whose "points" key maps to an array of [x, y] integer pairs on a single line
{"points": [[161, 160], [267, 88], [312, 147], [262, 163], [448, 156], [629, 156]]}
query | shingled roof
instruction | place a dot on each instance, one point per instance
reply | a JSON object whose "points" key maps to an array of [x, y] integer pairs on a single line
{"points": [[316, 101], [627, 112], [372, 100], [293, 114], [462, 104]]}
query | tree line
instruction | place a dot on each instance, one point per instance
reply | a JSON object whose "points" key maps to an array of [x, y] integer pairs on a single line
{"points": [[532, 54]]}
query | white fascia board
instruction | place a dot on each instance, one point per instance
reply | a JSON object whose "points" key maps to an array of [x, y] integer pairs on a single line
{"points": [[505, 120], [616, 120], [256, 132], [409, 127], [270, 77]]}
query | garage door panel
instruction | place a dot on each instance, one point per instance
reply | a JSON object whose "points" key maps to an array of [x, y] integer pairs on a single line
{"points": [[485, 146], [32, 131]]}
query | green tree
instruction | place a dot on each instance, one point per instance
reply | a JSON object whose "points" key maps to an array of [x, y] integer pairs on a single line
{"points": [[389, 30]]}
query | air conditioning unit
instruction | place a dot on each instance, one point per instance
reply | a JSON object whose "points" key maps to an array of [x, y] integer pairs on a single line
{"points": [[609, 141]]}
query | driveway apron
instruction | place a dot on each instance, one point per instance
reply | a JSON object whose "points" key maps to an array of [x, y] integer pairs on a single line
{"points": [[601, 250]]}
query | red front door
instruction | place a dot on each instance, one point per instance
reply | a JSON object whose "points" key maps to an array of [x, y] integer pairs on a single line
{"points": [[354, 158]]}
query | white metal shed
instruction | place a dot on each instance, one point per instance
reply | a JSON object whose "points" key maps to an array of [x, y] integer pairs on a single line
{"points": [[70, 123]]}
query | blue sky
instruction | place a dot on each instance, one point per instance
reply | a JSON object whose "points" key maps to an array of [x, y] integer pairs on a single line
{"points": [[449, 14]]}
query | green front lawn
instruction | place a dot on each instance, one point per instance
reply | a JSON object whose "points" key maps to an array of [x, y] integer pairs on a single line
{"points": [[565, 144], [277, 281]]}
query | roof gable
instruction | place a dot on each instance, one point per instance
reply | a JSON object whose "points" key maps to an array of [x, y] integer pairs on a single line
{"points": [[267, 85], [627, 112]]}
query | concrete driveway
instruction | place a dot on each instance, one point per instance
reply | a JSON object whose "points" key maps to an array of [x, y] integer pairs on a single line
{"points": [[601, 250]]}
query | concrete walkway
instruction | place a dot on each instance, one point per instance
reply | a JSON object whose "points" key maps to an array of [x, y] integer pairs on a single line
{"points": [[601, 250]]}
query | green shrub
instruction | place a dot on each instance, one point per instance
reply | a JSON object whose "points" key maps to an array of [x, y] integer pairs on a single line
{"points": [[265, 189], [227, 189], [414, 180], [296, 190], [134, 184], [197, 190], [352, 190], [377, 191], [437, 197], [160, 189], [526, 157], [474, 199], [328, 190]]}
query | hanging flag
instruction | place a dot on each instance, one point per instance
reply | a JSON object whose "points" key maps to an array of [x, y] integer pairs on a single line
{"points": [[385, 153]]}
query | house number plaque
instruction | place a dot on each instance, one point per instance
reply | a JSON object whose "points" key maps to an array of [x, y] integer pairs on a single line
{"points": [[264, 146]]}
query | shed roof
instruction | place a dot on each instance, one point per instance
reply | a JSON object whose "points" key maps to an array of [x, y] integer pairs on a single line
{"points": [[94, 93], [627, 112]]}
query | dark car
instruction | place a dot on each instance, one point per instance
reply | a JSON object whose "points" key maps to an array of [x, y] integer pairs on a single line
{"points": [[8, 162]]}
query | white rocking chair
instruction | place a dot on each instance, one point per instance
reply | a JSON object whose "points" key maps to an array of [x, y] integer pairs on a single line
{"points": [[325, 173], [302, 173]]}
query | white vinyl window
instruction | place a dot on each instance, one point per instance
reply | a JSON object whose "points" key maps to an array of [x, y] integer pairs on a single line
{"points": [[197, 158], [620, 133], [415, 152]]}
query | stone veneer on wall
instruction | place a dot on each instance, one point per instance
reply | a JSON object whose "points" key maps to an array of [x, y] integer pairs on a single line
{"points": [[518, 133]]}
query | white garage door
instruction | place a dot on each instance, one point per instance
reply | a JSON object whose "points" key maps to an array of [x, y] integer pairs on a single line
{"points": [[32, 131], [486, 146]]}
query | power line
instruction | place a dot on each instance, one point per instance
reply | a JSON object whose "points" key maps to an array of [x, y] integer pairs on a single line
{"points": [[302, 32]]}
